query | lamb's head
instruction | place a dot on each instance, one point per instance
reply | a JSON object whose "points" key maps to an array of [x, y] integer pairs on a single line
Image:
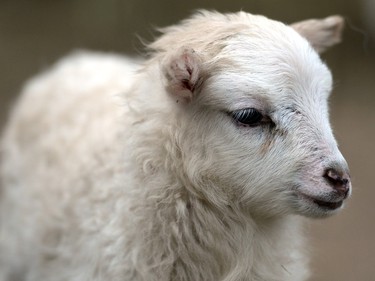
{"points": [[251, 112]]}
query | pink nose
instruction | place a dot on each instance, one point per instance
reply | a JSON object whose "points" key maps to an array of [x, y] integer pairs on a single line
{"points": [[340, 181]]}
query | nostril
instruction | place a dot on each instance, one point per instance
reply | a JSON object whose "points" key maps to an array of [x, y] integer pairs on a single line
{"points": [[339, 181]]}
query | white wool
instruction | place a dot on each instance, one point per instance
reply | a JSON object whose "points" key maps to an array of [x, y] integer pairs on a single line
{"points": [[114, 169]]}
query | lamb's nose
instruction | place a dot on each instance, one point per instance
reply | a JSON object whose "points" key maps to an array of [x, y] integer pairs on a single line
{"points": [[340, 181]]}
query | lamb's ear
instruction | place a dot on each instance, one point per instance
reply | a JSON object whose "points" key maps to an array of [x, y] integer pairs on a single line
{"points": [[183, 73], [321, 33]]}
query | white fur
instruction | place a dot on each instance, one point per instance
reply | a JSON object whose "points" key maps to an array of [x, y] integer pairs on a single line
{"points": [[118, 171]]}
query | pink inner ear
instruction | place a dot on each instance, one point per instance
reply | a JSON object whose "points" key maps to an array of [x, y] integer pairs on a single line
{"points": [[182, 72]]}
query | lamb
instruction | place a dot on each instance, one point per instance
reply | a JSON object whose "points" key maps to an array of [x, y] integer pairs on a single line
{"points": [[199, 163]]}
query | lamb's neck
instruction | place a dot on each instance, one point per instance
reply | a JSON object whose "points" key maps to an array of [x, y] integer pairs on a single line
{"points": [[211, 243], [243, 245]]}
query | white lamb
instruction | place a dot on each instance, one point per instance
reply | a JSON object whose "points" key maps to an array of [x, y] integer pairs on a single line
{"points": [[197, 164]]}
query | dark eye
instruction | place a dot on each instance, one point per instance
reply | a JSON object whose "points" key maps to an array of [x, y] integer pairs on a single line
{"points": [[247, 117]]}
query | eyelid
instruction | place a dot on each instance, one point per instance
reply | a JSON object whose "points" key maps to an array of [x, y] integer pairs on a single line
{"points": [[260, 110], [241, 112]]}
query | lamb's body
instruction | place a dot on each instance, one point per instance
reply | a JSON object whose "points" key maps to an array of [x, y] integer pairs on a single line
{"points": [[99, 185], [79, 99]]}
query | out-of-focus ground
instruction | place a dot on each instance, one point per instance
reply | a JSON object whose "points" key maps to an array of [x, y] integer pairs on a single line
{"points": [[35, 33]]}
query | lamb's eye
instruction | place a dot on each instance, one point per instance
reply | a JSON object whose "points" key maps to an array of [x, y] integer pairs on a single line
{"points": [[247, 117]]}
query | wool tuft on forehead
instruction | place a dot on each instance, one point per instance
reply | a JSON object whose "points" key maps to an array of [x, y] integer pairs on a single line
{"points": [[211, 30]]}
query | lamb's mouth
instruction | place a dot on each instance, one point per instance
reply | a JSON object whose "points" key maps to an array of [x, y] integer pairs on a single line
{"points": [[328, 205], [323, 204]]}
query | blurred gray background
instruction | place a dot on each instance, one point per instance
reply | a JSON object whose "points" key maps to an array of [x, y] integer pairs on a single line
{"points": [[35, 33]]}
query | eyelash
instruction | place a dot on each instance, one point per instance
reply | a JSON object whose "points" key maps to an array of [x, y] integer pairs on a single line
{"points": [[248, 117]]}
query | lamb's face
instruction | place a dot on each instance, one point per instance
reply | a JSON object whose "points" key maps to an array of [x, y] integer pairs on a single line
{"points": [[259, 130], [269, 136]]}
